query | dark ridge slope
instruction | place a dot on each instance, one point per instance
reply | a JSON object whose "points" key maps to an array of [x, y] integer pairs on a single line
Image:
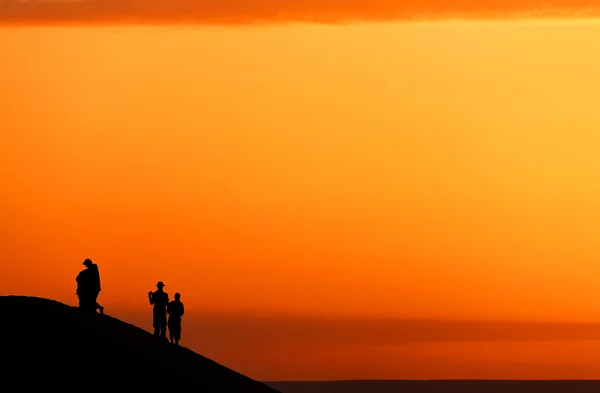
{"points": [[48, 345]]}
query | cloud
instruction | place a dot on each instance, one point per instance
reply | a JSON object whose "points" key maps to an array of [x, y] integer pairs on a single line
{"points": [[240, 331], [35, 12]]}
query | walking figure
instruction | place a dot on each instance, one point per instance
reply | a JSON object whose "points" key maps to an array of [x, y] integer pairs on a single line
{"points": [[88, 287], [159, 299], [175, 311]]}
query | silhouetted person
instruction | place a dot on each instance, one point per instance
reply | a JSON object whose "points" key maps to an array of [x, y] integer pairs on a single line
{"points": [[175, 311], [159, 299], [88, 287], [95, 283], [83, 290]]}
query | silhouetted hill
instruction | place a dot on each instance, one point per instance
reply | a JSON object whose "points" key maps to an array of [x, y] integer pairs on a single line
{"points": [[49, 345], [439, 386]]}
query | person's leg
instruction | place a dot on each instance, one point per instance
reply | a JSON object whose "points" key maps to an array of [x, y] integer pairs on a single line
{"points": [[97, 305], [177, 333], [156, 326], [163, 332], [85, 302]]}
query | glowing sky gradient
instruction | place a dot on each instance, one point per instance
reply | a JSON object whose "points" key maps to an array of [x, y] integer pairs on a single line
{"points": [[315, 191]]}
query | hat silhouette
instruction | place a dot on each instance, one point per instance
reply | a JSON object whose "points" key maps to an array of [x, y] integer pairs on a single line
{"points": [[87, 262], [160, 284]]}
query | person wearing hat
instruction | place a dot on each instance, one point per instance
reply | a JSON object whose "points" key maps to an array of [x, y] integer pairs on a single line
{"points": [[88, 287], [159, 300]]}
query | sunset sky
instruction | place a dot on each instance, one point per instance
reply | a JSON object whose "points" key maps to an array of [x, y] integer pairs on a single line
{"points": [[337, 191]]}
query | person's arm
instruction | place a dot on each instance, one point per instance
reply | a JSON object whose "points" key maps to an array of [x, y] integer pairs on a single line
{"points": [[182, 309], [150, 298], [97, 276]]}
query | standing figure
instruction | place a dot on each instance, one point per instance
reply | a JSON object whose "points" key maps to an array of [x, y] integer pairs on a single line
{"points": [[95, 284], [88, 287], [84, 292], [175, 311], [159, 299]]}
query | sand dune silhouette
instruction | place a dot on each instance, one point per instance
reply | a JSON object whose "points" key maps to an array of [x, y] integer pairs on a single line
{"points": [[47, 345]]}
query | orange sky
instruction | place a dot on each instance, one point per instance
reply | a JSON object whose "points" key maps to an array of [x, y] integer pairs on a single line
{"points": [[435, 170], [277, 11]]}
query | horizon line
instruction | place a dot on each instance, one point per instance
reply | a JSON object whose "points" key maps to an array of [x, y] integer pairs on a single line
{"points": [[328, 317], [436, 380]]}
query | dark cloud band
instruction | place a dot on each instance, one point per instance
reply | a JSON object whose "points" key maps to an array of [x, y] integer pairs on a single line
{"points": [[277, 11]]}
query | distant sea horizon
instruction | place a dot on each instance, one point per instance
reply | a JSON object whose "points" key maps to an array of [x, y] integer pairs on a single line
{"points": [[437, 386]]}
